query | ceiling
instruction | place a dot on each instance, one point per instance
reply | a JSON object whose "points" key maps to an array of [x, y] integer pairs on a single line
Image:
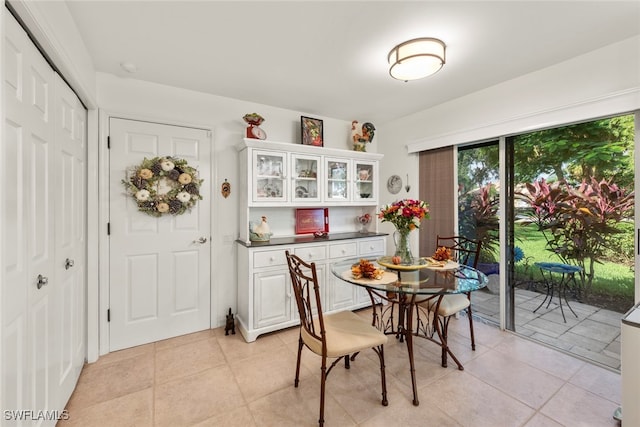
{"points": [[329, 58]]}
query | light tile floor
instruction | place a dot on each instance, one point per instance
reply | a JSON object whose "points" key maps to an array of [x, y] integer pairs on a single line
{"points": [[209, 379], [594, 334]]}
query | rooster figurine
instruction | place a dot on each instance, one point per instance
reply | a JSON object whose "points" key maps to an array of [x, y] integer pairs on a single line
{"points": [[361, 134], [260, 232]]}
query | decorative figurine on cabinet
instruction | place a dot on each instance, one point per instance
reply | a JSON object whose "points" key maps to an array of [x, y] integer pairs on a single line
{"points": [[254, 120], [260, 232], [361, 135]]}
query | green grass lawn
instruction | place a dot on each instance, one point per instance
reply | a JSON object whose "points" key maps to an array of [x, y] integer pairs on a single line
{"points": [[610, 278]]}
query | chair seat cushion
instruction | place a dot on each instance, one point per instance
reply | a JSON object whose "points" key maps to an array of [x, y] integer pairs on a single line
{"points": [[347, 333], [450, 305]]}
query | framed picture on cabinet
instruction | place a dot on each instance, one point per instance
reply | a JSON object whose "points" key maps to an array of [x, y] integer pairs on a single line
{"points": [[308, 221], [311, 131]]}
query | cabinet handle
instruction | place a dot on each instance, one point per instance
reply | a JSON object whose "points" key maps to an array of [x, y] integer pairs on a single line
{"points": [[68, 264], [201, 240]]}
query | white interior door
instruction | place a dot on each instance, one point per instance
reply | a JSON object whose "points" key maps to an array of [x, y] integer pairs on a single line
{"points": [[159, 271]]}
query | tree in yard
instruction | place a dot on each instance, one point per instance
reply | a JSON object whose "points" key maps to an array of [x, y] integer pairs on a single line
{"points": [[578, 223], [601, 148], [478, 220]]}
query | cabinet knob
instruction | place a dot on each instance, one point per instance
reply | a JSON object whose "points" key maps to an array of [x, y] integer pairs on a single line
{"points": [[272, 259], [68, 264], [310, 255]]}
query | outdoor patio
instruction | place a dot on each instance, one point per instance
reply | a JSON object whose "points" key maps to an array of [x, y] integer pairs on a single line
{"points": [[594, 335]]}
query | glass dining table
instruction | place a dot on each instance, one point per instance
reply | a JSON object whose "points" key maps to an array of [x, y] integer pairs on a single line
{"points": [[397, 292]]}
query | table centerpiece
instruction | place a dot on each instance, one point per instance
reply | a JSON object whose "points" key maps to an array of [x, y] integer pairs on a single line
{"points": [[406, 216]]}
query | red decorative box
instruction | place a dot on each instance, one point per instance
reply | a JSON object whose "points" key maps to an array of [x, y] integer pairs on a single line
{"points": [[308, 221]]}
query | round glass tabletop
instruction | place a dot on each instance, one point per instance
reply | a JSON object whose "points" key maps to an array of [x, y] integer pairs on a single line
{"points": [[423, 281]]}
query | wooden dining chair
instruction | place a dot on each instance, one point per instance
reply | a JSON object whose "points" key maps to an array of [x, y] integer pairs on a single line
{"points": [[464, 251], [338, 335]]}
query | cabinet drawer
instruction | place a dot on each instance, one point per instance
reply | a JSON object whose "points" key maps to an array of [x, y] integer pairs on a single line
{"points": [[311, 253], [269, 258], [343, 250], [371, 247]]}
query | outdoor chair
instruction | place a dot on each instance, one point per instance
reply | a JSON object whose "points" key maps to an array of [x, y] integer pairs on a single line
{"points": [[338, 335]]}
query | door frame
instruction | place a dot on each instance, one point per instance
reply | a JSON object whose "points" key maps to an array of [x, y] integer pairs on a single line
{"points": [[99, 311]]}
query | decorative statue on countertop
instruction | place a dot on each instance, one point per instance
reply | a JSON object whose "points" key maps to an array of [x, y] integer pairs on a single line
{"points": [[361, 135], [260, 232]]}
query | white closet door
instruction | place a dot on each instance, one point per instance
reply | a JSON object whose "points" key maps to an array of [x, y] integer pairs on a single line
{"points": [[43, 223], [28, 246], [70, 236]]}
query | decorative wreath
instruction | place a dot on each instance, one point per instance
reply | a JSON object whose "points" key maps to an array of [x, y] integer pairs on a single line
{"points": [[163, 185]]}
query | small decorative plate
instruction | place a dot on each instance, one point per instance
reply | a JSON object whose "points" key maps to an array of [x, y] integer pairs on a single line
{"points": [[448, 265], [417, 264], [301, 192], [394, 184]]}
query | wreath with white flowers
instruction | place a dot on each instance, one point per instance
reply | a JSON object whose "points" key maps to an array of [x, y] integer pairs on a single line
{"points": [[163, 185]]}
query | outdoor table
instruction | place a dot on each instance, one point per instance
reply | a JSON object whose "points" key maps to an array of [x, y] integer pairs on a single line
{"points": [[566, 274]]}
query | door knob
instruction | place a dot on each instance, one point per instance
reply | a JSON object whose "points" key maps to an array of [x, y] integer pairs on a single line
{"points": [[42, 281], [68, 264], [201, 240]]}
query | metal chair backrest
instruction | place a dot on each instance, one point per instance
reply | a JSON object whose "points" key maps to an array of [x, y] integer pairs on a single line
{"points": [[464, 251], [306, 289]]}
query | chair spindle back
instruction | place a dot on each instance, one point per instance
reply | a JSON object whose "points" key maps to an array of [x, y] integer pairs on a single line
{"points": [[464, 251], [306, 289]]}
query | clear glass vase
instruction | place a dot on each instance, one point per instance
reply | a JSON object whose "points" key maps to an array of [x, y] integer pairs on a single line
{"points": [[403, 246]]}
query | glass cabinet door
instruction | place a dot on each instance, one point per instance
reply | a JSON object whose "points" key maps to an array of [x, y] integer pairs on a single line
{"points": [[304, 176], [269, 176], [337, 181], [365, 180]]}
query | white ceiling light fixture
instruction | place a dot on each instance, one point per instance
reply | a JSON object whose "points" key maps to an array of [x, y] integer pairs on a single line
{"points": [[416, 58]]}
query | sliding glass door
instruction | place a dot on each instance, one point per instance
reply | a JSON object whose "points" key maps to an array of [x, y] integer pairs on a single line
{"points": [[569, 229]]}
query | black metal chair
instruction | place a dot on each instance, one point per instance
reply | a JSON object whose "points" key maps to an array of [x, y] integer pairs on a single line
{"points": [[464, 251], [338, 335]]}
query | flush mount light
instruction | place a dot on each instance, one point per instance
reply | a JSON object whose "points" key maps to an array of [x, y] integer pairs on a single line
{"points": [[417, 58]]}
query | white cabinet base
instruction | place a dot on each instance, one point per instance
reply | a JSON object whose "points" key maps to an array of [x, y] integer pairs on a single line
{"points": [[265, 296]]}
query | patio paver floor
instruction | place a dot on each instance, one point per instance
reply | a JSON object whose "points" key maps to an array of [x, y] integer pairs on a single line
{"points": [[594, 335]]}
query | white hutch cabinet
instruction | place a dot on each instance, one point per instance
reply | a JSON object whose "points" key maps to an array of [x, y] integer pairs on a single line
{"points": [[278, 178]]}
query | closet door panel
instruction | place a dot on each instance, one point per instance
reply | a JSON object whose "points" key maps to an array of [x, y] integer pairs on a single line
{"points": [[70, 236], [40, 283]]}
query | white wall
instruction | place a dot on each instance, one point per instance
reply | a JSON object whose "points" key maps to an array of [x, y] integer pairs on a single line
{"points": [[166, 104]]}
